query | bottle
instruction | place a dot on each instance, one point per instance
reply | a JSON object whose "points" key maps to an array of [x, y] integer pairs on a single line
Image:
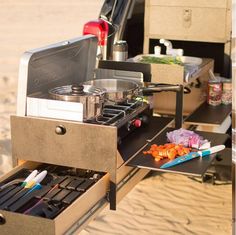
{"points": [[120, 51]]}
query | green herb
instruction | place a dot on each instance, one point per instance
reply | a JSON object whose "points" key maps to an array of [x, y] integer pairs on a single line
{"points": [[158, 60]]}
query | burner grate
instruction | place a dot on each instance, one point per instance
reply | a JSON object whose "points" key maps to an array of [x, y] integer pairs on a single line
{"points": [[113, 114]]}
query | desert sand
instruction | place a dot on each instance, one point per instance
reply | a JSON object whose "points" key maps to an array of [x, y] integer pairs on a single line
{"points": [[161, 204]]}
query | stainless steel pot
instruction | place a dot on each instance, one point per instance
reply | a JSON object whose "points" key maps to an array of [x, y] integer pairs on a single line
{"points": [[116, 90], [91, 97]]}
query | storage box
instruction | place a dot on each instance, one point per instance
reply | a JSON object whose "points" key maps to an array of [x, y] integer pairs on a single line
{"points": [[164, 102], [204, 20]]}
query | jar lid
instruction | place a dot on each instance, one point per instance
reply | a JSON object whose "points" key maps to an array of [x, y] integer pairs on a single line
{"points": [[227, 80], [214, 81], [120, 45]]}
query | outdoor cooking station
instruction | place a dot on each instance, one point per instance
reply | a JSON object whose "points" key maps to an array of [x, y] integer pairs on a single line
{"points": [[110, 144]]}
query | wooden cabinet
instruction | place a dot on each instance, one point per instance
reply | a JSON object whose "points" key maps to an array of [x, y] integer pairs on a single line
{"points": [[202, 20]]}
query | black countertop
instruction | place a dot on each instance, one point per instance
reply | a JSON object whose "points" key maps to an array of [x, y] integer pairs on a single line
{"points": [[209, 115]]}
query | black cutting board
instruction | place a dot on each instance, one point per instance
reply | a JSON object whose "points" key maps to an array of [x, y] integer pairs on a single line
{"points": [[195, 167]]}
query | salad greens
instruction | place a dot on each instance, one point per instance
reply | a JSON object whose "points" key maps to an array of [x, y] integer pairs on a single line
{"points": [[158, 60]]}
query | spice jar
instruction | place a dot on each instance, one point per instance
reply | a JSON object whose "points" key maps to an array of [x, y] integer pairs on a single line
{"points": [[226, 92], [214, 92]]}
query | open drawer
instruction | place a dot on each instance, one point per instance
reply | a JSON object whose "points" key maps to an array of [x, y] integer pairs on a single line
{"points": [[195, 167], [14, 221]]}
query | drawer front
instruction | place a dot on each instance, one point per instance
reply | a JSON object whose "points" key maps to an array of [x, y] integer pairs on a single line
{"points": [[187, 23], [79, 146], [20, 224], [207, 21], [25, 225]]}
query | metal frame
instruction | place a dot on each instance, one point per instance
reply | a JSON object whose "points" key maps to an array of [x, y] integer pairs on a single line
{"points": [[179, 107]]}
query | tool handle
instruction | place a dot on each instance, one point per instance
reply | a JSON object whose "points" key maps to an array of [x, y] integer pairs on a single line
{"points": [[37, 179], [40, 177], [35, 187], [212, 150], [31, 176]]}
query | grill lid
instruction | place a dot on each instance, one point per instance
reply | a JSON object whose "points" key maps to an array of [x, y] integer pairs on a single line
{"points": [[69, 62]]}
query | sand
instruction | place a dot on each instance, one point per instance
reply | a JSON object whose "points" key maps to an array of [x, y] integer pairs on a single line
{"points": [[169, 204], [161, 204]]}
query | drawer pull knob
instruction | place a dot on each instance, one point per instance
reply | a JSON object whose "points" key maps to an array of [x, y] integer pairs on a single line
{"points": [[2, 219], [60, 130]]}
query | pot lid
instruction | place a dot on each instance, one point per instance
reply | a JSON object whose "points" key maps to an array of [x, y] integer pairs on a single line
{"points": [[65, 92]]}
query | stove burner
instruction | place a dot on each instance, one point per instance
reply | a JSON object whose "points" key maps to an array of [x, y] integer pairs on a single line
{"points": [[119, 114]]}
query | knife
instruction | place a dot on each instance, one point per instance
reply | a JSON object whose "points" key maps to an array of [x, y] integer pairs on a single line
{"points": [[193, 155]]}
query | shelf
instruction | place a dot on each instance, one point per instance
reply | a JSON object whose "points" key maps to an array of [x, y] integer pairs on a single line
{"points": [[195, 167], [209, 115]]}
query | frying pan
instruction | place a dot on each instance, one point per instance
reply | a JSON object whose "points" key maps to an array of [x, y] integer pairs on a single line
{"points": [[120, 90]]}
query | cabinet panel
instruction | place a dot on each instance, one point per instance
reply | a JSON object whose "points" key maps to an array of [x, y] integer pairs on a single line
{"points": [[188, 20], [188, 23]]}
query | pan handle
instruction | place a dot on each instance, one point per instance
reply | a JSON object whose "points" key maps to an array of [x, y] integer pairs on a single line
{"points": [[158, 88], [163, 87]]}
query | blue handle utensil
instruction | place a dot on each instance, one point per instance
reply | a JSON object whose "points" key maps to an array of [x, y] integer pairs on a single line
{"points": [[193, 155]]}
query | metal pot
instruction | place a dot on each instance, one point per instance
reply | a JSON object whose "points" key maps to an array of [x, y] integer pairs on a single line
{"points": [[91, 97], [118, 90]]}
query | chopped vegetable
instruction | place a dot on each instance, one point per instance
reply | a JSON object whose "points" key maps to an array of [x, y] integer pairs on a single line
{"points": [[158, 60], [187, 138], [169, 151]]}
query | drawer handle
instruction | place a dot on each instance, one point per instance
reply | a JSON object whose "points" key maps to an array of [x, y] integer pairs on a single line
{"points": [[60, 130], [2, 219], [187, 18], [187, 15]]}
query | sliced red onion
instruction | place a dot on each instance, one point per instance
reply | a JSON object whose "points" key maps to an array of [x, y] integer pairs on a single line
{"points": [[187, 138]]}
